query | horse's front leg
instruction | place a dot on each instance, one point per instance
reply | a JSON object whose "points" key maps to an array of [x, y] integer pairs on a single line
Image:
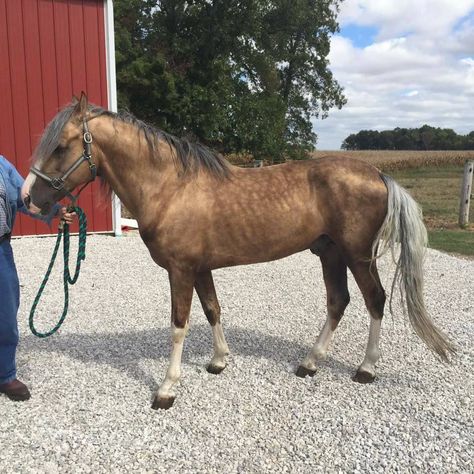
{"points": [[182, 284]]}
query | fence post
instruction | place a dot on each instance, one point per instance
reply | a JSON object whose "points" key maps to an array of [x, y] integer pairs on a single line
{"points": [[466, 194]]}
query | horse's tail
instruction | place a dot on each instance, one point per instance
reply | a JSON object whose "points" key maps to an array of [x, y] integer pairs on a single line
{"points": [[404, 224]]}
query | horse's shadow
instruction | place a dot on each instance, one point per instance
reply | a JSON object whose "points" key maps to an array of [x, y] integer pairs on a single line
{"points": [[125, 350]]}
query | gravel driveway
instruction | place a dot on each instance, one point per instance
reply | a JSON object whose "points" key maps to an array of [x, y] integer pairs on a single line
{"points": [[92, 384]]}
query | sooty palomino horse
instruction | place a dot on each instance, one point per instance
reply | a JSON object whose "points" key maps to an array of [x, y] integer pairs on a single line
{"points": [[197, 213]]}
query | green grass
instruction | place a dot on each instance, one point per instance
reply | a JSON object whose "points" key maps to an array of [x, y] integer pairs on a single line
{"points": [[437, 190], [454, 241]]}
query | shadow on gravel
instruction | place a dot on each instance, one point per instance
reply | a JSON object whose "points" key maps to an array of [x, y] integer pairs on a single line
{"points": [[125, 350]]}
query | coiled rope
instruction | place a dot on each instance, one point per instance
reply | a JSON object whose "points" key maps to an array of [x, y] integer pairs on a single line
{"points": [[67, 280]]}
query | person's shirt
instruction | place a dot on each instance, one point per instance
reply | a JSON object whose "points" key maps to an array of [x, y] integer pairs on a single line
{"points": [[4, 227], [11, 182]]}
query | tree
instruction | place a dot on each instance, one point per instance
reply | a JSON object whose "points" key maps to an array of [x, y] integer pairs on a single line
{"points": [[424, 138], [240, 75], [469, 145], [427, 134]]}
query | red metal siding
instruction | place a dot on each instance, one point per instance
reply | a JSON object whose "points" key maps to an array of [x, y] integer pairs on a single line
{"points": [[50, 50]]}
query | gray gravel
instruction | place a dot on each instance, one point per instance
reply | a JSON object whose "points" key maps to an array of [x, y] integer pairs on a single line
{"points": [[92, 384]]}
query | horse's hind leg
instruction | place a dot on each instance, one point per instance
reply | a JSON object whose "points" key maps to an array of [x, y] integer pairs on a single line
{"points": [[335, 279], [368, 280], [204, 285]]}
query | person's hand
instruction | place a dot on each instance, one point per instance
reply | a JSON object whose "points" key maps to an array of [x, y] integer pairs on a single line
{"points": [[67, 217]]}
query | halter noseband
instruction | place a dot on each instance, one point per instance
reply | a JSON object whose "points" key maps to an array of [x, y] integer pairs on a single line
{"points": [[58, 183]]}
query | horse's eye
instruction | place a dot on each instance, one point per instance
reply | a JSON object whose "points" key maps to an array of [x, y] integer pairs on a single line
{"points": [[60, 150]]}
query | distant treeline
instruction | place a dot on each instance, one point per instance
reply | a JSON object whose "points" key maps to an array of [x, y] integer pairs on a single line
{"points": [[424, 138]]}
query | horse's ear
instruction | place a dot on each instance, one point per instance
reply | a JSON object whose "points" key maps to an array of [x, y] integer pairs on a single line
{"points": [[83, 103], [74, 100]]}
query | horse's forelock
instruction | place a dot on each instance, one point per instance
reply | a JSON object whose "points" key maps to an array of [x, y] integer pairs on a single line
{"points": [[52, 133]]}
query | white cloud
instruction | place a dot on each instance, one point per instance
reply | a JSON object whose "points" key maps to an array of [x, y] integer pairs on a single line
{"points": [[420, 68], [432, 18]]}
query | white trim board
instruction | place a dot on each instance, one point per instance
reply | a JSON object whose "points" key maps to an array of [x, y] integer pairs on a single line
{"points": [[129, 223], [112, 96]]}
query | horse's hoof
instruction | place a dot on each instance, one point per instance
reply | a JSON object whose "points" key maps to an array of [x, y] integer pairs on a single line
{"points": [[302, 372], [363, 377], [162, 403], [214, 369]]}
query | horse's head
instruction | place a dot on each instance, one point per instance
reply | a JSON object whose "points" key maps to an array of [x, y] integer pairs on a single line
{"points": [[63, 159]]}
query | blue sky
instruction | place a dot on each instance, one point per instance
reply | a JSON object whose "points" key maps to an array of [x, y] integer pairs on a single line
{"points": [[402, 65], [360, 36]]}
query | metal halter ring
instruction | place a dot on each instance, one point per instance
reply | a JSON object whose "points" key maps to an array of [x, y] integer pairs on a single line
{"points": [[87, 137], [57, 183]]}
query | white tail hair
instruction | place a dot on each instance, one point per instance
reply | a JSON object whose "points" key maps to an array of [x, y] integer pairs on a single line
{"points": [[403, 224]]}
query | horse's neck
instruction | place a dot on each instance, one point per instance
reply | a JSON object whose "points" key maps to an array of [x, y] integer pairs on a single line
{"points": [[127, 164]]}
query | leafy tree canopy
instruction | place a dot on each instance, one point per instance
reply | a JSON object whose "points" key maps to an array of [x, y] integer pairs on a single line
{"points": [[239, 75], [423, 138]]}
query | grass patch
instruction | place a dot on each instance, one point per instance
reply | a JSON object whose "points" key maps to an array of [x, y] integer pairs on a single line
{"points": [[437, 190], [454, 241]]}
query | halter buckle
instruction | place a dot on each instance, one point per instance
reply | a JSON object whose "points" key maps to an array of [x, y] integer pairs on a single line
{"points": [[57, 183], [87, 137], [92, 168]]}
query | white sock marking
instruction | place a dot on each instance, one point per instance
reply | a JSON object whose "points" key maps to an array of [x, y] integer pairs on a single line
{"points": [[173, 373], [372, 352], [320, 348], [221, 349]]}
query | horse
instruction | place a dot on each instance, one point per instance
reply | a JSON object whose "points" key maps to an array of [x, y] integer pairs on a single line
{"points": [[196, 213]]}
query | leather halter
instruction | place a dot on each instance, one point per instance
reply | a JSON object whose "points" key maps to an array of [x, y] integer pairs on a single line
{"points": [[59, 183]]}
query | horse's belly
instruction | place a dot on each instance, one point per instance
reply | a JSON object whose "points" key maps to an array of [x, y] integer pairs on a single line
{"points": [[264, 245]]}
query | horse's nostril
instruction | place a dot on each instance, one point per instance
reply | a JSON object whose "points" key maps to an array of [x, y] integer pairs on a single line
{"points": [[27, 201]]}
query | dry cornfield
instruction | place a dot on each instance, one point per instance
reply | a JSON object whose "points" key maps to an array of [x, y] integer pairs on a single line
{"points": [[390, 160]]}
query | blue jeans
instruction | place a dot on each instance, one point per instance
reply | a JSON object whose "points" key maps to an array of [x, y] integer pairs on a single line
{"points": [[9, 303]]}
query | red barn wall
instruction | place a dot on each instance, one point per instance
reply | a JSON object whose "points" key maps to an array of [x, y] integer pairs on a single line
{"points": [[50, 50]]}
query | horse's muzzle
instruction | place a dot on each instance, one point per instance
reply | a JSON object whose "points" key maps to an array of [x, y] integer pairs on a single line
{"points": [[27, 201]]}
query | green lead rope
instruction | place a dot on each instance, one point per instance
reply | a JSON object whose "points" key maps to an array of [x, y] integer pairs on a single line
{"points": [[67, 280]]}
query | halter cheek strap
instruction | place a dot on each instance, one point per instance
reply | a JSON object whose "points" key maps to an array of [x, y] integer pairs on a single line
{"points": [[58, 183]]}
